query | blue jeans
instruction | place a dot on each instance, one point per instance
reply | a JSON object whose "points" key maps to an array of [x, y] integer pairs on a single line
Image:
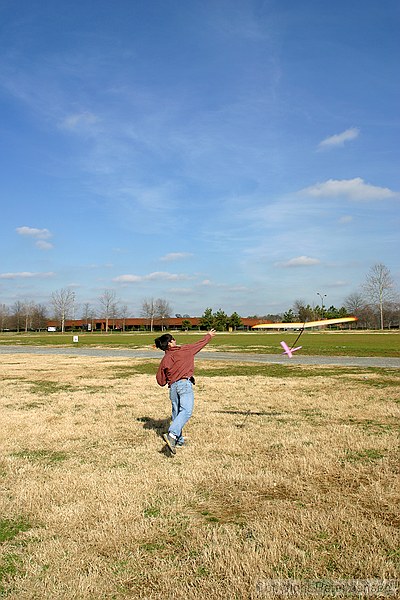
{"points": [[182, 400]]}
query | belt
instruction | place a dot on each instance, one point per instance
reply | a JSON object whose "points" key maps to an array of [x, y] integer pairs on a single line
{"points": [[191, 379]]}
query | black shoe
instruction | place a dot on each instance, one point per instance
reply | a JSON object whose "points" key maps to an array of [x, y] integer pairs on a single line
{"points": [[170, 441]]}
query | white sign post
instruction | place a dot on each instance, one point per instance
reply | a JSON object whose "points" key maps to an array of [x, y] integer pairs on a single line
{"points": [[75, 339]]}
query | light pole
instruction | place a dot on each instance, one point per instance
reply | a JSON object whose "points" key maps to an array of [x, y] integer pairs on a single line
{"points": [[322, 296]]}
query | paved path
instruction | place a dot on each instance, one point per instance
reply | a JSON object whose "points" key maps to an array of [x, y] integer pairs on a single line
{"points": [[343, 361]]}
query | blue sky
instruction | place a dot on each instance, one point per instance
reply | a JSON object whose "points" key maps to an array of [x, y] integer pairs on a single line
{"points": [[240, 154]]}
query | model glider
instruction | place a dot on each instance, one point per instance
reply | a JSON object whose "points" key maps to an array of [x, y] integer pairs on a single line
{"points": [[289, 351], [301, 326], [321, 323]]}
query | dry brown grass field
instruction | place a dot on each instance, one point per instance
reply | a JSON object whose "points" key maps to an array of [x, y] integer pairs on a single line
{"points": [[284, 477]]}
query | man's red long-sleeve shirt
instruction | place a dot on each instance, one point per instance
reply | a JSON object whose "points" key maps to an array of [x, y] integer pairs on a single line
{"points": [[178, 362]]}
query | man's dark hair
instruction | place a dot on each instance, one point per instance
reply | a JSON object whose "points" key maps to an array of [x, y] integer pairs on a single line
{"points": [[163, 341]]}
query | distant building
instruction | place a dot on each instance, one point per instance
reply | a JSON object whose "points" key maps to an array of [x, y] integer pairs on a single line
{"points": [[141, 324]]}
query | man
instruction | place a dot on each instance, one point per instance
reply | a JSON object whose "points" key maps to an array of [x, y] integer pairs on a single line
{"points": [[176, 369]]}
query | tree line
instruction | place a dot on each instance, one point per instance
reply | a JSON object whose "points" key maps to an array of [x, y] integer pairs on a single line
{"points": [[376, 305]]}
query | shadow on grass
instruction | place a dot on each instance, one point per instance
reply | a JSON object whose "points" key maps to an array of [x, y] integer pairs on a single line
{"points": [[160, 426], [166, 452]]}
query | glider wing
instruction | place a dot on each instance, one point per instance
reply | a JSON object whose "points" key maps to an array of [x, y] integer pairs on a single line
{"points": [[321, 323]]}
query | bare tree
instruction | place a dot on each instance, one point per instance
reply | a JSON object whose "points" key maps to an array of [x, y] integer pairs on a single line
{"points": [[124, 314], [39, 317], [148, 311], [392, 314], [114, 313], [108, 305], [28, 310], [17, 314], [86, 310], [379, 288], [4, 317], [88, 315], [304, 313], [354, 303], [163, 311], [63, 303]]}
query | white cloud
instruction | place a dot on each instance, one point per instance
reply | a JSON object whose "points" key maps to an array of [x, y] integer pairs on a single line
{"points": [[346, 219], [340, 138], [352, 189], [175, 256], [39, 234], [26, 275], [300, 261], [44, 245], [156, 276], [128, 278]]}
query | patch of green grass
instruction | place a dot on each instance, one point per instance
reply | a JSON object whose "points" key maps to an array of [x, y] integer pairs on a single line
{"points": [[9, 567], [202, 571], [374, 427], [152, 511], [310, 413], [25, 406], [394, 555], [210, 518], [46, 387], [10, 528], [364, 456], [32, 405], [120, 566], [49, 457], [152, 547], [91, 389]]}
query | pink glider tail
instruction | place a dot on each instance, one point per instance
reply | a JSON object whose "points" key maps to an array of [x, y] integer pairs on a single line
{"points": [[289, 351]]}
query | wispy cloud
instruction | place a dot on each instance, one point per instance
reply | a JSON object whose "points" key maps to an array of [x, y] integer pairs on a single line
{"points": [[352, 189], [26, 275], [299, 261], [172, 256], [156, 276], [340, 138], [79, 121], [43, 245], [40, 235], [346, 219]]}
